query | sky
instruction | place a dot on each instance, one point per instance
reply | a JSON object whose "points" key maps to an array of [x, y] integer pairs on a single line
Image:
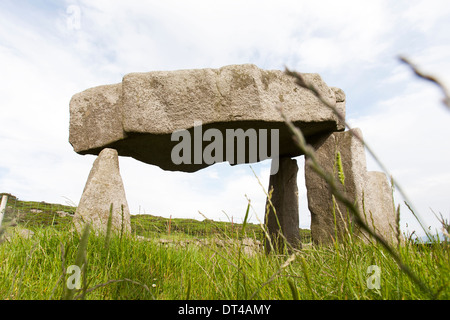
{"points": [[50, 50]]}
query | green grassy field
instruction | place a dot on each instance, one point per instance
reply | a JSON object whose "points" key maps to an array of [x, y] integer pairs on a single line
{"points": [[201, 260], [35, 215]]}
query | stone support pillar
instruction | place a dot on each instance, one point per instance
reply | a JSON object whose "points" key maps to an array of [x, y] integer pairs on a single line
{"points": [[331, 219], [379, 209], [104, 187], [284, 198]]}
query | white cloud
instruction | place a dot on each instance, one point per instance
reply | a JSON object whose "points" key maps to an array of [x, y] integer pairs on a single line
{"points": [[150, 35], [343, 35], [427, 16]]}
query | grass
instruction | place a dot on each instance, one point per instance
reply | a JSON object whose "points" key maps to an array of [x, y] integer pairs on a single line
{"points": [[130, 268]]}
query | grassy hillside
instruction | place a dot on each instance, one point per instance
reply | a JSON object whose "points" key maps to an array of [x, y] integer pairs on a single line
{"points": [[34, 215]]}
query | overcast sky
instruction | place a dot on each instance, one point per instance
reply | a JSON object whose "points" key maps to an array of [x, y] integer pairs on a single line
{"points": [[50, 50]]}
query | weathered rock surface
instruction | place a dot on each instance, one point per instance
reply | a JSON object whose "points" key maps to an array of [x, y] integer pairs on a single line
{"points": [[380, 213], [138, 116], [369, 190], [285, 201], [96, 117], [340, 107], [103, 188], [320, 201]]}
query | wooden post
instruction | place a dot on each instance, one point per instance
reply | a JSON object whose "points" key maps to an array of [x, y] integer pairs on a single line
{"points": [[3, 207]]}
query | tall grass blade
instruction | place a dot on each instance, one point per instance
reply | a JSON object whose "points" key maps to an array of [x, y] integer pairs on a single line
{"points": [[293, 289], [80, 261], [307, 277], [431, 78], [244, 224], [108, 228], [188, 290]]}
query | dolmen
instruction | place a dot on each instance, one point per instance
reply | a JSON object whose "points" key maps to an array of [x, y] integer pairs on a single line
{"points": [[187, 120]]}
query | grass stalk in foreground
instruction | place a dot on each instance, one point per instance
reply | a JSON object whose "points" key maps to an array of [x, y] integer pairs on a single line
{"points": [[133, 268], [309, 153]]}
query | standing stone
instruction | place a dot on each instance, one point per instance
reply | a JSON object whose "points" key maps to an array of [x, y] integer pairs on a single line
{"points": [[285, 200], [379, 208], [327, 218], [103, 188]]}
